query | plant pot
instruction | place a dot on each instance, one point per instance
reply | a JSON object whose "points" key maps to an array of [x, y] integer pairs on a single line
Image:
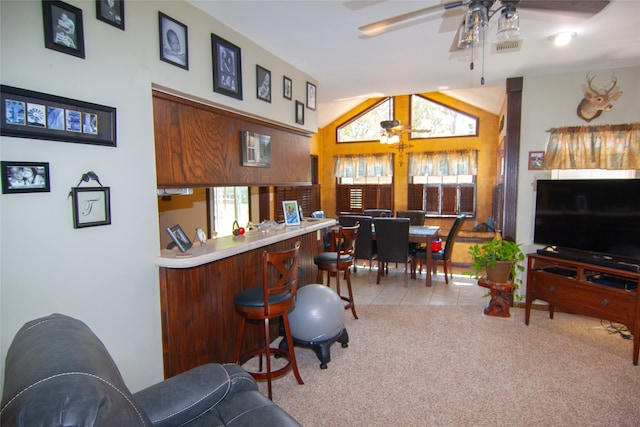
{"points": [[501, 272]]}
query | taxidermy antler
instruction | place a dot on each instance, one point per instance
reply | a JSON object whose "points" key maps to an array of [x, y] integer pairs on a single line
{"points": [[594, 102]]}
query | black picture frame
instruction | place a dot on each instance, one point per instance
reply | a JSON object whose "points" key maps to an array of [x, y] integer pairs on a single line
{"points": [[174, 41], [227, 67], [35, 115], [256, 149], [180, 238], [25, 177], [263, 84], [287, 88], [91, 206], [111, 12], [299, 113], [311, 96], [63, 29]]}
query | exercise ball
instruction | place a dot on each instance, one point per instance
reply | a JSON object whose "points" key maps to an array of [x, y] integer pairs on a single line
{"points": [[318, 314]]}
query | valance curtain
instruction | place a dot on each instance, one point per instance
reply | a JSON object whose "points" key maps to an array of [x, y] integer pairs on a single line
{"points": [[365, 166], [594, 147], [443, 163]]}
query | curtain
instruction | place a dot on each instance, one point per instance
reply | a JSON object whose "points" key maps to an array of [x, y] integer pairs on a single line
{"points": [[365, 166], [594, 147], [443, 163]]}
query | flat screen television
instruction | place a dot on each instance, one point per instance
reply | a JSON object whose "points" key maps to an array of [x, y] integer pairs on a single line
{"points": [[599, 215]]}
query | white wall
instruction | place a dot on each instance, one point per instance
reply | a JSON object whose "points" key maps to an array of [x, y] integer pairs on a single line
{"points": [[550, 102], [104, 275]]}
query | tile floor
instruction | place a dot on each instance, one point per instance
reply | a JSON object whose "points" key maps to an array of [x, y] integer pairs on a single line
{"points": [[462, 290]]}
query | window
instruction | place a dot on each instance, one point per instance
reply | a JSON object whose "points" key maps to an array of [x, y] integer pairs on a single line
{"points": [[230, 204], [366, 126], [365, 169], [442, 121]]}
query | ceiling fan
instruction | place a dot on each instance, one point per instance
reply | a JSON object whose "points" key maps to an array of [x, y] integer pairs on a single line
{"points": [[508, 7], [392, 129]]}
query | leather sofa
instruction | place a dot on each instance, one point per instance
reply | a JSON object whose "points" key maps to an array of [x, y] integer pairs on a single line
{"points": [[58, 373]]}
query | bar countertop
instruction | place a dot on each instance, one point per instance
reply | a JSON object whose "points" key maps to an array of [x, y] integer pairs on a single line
{"points": [[223, 247]]}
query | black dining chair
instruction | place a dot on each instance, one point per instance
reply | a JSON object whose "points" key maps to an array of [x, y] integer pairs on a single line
{"points": [[365, 245], [392, 239], [444, 254], [415, 216], [378, 213]]}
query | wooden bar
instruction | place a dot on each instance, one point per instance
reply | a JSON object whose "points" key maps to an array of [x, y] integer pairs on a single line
{"points": [[199, 322]]}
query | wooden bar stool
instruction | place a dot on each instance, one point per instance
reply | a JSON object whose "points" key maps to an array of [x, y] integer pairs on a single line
{"points": [[267, 302], [339, 259]]}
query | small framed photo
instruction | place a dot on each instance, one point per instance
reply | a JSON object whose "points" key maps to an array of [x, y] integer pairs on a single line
{"points": [[299, 113], [180, 238], [63, 30], [91, 206], [311, 96], [263, 83], [174, 43], [25, 177], [111, 12], [287, 87], [536, 160], [227, 67], [291, 213]]}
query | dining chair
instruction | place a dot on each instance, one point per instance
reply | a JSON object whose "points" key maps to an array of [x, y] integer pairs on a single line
{"points": [[415, 216], [338, 260], [365, 245], [274, 298], [444, 254], [392, 238], [377, 213]]}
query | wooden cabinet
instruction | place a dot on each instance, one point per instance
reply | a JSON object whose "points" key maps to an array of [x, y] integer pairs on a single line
{"points": [[586, 289]]}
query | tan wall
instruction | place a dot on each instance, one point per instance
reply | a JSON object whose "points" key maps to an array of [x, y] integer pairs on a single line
{"points": [[324, 145]]}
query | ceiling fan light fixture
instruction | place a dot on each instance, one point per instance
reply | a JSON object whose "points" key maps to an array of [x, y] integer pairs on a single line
{"points": [[477, 17], [508, 24], [468, 38]]}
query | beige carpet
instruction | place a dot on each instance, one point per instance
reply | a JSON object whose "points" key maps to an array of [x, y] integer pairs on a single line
{"points": [[453, 366]]}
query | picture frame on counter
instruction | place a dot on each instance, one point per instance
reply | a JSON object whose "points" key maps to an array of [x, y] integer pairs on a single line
{"points": [[256, 149], [91, 206], [35, 115], [174, 41], [291, 212], [63, 29], [287, 88], [227, 67], [25, 177], [111, 12], [299, 113], [180, 238]]}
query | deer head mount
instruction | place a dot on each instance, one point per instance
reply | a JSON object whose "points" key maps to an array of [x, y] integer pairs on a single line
{"points": [[594, 101]]}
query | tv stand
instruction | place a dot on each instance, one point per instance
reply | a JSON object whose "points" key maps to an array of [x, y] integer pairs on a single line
{"points": [[585, 288]]}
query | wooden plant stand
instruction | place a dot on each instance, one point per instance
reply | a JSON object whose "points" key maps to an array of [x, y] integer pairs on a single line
{"points": [[500, 298]]}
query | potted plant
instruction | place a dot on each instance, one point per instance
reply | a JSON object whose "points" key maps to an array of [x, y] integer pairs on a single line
{"points": [[498, 260]]}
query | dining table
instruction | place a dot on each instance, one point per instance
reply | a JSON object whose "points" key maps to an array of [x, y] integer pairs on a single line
{"points": [[422, 234]]}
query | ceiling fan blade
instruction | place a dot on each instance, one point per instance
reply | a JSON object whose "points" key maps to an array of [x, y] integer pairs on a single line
{"points": [[588, 7], [379, 26]]}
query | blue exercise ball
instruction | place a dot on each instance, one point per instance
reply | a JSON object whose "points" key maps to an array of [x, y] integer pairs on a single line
{"points": [[318, 314]]}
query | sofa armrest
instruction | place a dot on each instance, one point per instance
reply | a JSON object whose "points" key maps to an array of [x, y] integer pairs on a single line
{"points": [[188, 395]]}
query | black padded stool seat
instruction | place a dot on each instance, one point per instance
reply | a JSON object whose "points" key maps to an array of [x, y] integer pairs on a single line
{"points": [[268, 302]]}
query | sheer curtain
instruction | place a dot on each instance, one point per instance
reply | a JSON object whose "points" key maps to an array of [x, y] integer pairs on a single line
{"points": [[594, 147], [443, 163], [365, 166]]}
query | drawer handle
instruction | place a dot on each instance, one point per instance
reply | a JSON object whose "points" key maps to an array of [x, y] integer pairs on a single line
{"points": [[605, 302], [552, 288]]}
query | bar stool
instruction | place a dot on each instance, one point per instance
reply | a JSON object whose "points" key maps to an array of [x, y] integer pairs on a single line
{"points": [[267, 302], [339, 259]]}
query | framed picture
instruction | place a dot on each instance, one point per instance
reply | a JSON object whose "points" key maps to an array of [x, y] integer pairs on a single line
{"points": [[63, 30], [256, 149], [227, 67], [91, 206], [179, 237], [25, 177], [35, 115], [174, 43], [311, 96], [299, 113], [263, 83], [287, 87], [111, 12], [536, 160], [290, 211]]}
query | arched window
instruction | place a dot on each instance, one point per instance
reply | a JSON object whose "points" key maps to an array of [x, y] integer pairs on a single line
{"points": [[366, 126], [442, 121]]}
